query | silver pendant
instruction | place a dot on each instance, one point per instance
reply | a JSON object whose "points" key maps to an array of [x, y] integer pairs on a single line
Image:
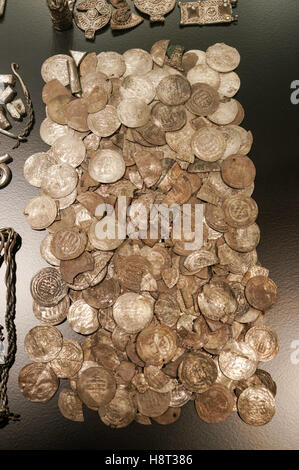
{"points": [[97, 14], [123, 18], [207, 12], [156, 9]]}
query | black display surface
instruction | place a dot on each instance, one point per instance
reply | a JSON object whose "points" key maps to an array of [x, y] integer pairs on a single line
{"points": [[267, 37]]}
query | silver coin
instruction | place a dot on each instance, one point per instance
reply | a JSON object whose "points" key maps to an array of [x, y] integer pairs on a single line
{"points": [[208, 144], [238, 361], [52, 315], [229, 84], [132, 312], [36, 166], [136, 86], [133, 112], [59, 180], [217, 301], [105, 122], [51, 131], [83, 318], [204, 74], [56, 67], [243, 239], [40, 212], [46, 252], [226, 113], [222, 57], [256, 406], [69, 149], [138, 62], [111, 64], [107, 166]]}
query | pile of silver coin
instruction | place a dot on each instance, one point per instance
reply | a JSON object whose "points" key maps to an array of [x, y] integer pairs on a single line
{"points": [[159, 322]]}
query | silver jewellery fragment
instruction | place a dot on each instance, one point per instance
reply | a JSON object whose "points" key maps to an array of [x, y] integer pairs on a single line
{"points": [[207, 12], [5, 172], [156, 9], [93, 15]]}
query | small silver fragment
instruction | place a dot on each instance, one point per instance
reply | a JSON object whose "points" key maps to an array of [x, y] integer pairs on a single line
{"points": [[78, 56], [7, 79], [19, 105], [73, 76], [2, 7], [7, 95], [4, 123], [13, 111]]}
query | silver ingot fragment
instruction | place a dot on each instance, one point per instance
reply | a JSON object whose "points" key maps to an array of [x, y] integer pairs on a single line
{"points": [[7, 95], [74, 77], [4, 123], [2, 7], [13, 112], [20, 107], [78, 56], [7, 79], [207, 12]]}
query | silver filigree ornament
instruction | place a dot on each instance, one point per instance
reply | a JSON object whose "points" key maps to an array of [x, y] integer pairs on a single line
{"points": [[156, 9], [95, 16]]}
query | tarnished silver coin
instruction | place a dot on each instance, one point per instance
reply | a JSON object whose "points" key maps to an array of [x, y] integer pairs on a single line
{"points": [[132, 312], [256, 406], [56, 68], [222, 57], [107, 166], [243, 239], [103, 234], [133, 112], [169, 118], [240, 211], [47, 287], [217, 301], [76, 113], [40, 212], [96, 387], [264, 341], [215, 404], [238, 171], [208, 144], [36, 166], [179, 396], [68, 244], [174, 90], [59, 180], [69, 360], [238, 360], [43, 343], [233, 140], [138, 86], [121, 410], [38, 382], [157, 345], [52, 315], [111, 64], [204, 100], [138, 62], [261, 292], [70, 405], [46, 252], [197, 372], [105, 122], [83, 318], [152, 403], [70, 150]]}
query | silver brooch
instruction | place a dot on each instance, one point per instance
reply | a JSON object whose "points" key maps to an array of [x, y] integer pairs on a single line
{"points": [[95, 15], [207, 12], [156, 9]]}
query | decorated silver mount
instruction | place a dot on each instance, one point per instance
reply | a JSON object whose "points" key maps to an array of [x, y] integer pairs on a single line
{"points": [[207, 12]]}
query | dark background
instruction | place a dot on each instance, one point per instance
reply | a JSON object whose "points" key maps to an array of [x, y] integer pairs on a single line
{"points": [[267, 37]]}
